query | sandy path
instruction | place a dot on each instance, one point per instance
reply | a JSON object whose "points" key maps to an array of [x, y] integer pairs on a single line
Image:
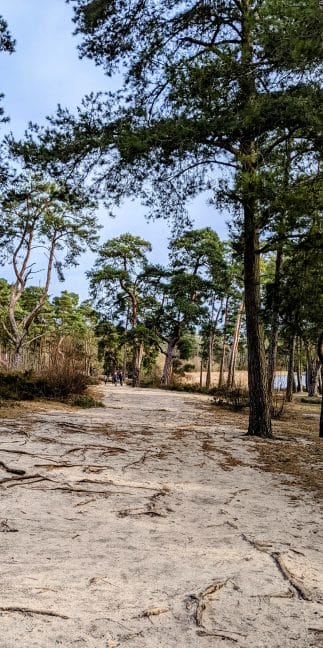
{"points": [[148, 524]]}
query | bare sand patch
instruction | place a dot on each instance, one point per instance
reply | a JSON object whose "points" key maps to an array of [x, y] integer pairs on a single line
{"points": [[153, 523]]}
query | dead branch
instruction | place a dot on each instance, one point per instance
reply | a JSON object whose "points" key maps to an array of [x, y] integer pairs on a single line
{"points": [[25, 610]]}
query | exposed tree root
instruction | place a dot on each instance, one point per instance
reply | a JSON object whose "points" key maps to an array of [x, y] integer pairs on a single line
{"points": [[154, 612], [109, 450], [284, 595], [302, 592], [260, 546], [30, 454], [25, 610], [5, 528], [150, 510], [134, 463], [15, 481], [242, 490], [14, 471], [220, 635], [200, 600]]}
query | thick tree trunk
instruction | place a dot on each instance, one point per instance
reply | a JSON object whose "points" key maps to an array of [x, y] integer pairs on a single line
{"points": [[168, 364], [260, 406], [313, 367], [320, 355], [136, 364], [234, 347]]}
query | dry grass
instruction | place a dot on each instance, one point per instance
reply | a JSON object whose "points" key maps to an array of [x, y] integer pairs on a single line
{"points": [[296, 450]]}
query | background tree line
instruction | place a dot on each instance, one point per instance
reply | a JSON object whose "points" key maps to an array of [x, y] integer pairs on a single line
{"points": [[221, 96]]}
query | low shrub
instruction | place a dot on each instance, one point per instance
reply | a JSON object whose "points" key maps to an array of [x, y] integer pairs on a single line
{"points": [[236, 398], [28, 386], [85, 400], [278, 405]]}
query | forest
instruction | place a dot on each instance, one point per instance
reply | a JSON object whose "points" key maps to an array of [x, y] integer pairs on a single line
{"points": [[218, 97], [161, 406]]}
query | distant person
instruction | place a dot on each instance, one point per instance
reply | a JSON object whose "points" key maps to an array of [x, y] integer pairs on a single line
{"points": [[115, 378], [105, 379], [120, 376]]}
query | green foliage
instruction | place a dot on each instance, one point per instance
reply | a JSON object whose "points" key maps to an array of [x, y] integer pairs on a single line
{"points": [[85, 401], [28, 386]]}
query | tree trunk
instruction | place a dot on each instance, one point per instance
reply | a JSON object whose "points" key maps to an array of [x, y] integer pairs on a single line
{"points": [[260, 406], [234, 347], [313, 368], [272, 352], [224, 343], [320, 355], [136, 364], [299, 365], [201, 373], [290, 371], [168, 364], [211, 345]]}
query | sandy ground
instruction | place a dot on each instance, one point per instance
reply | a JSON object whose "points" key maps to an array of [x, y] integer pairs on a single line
{"points": [[149, 524]]}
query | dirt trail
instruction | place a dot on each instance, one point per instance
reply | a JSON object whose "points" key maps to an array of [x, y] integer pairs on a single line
{"points": [[149, 524]]}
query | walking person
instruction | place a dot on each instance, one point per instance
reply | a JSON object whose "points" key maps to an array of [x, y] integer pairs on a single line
{"points": [[120, 376], [115, 378]]}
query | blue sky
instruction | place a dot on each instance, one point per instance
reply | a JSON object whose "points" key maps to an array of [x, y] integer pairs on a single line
{"points": [[45, 70]]}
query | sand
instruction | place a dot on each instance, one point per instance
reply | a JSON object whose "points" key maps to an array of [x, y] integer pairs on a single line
{"points": [[151, 523]]}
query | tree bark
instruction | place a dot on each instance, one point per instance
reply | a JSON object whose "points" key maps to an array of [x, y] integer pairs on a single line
{"points": [[136, 364], [320, 355], [168, 364], [290, 371], [224, 343], [299, 365], [272, 352], [312, 371], [211, 346], [234, 347], [260, 406]]}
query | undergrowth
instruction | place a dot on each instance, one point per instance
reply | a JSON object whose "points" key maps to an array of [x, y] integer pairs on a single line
{"points": [[59, 385]]}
